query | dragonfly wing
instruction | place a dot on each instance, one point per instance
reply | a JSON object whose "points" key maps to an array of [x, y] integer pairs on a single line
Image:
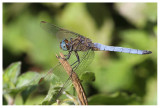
{"points": [[57, 77], [60, 33], [86, 58]]}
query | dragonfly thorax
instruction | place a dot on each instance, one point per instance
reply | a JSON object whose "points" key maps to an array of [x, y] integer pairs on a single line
{"points": [[64, 45]]}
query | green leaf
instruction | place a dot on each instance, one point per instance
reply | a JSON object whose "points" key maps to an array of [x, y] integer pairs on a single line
{"points": [[28, 78], [29, 81], [88, 76], [114, 99], [52, 94], [26, 83], [10, 75], [25, 94]]}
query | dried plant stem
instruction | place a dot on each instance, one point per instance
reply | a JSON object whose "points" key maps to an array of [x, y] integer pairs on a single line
{"points": [[75, 80]]}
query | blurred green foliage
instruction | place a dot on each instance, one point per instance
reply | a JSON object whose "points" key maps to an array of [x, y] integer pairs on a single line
{"points": [[14, 84], [120, 78]]}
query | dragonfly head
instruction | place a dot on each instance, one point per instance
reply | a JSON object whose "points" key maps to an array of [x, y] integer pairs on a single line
{"points": [[64, 45]]}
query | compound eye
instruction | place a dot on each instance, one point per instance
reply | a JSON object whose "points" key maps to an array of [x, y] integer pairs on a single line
{"points": [[63, 45]]}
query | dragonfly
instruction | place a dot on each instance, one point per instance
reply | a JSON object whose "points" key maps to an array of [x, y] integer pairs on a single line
{"points": [[83, 49]]}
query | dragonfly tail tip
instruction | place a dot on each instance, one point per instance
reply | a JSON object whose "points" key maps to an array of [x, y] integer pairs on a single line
{"points": [[147, 52]]}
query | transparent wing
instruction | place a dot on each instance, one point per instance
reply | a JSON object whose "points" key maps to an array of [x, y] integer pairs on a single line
{"points": [[86, 58], [60, 33], [58, 74]]}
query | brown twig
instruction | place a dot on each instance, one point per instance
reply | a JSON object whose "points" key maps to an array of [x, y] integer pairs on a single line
{"points": [[75, 80]]}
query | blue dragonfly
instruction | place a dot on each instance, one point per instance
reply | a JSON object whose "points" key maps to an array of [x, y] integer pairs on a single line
{"points": [[83, 49]]}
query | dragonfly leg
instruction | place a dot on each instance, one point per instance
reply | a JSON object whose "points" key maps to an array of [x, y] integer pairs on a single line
{"points": [[78, 60], [68, 56]]}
